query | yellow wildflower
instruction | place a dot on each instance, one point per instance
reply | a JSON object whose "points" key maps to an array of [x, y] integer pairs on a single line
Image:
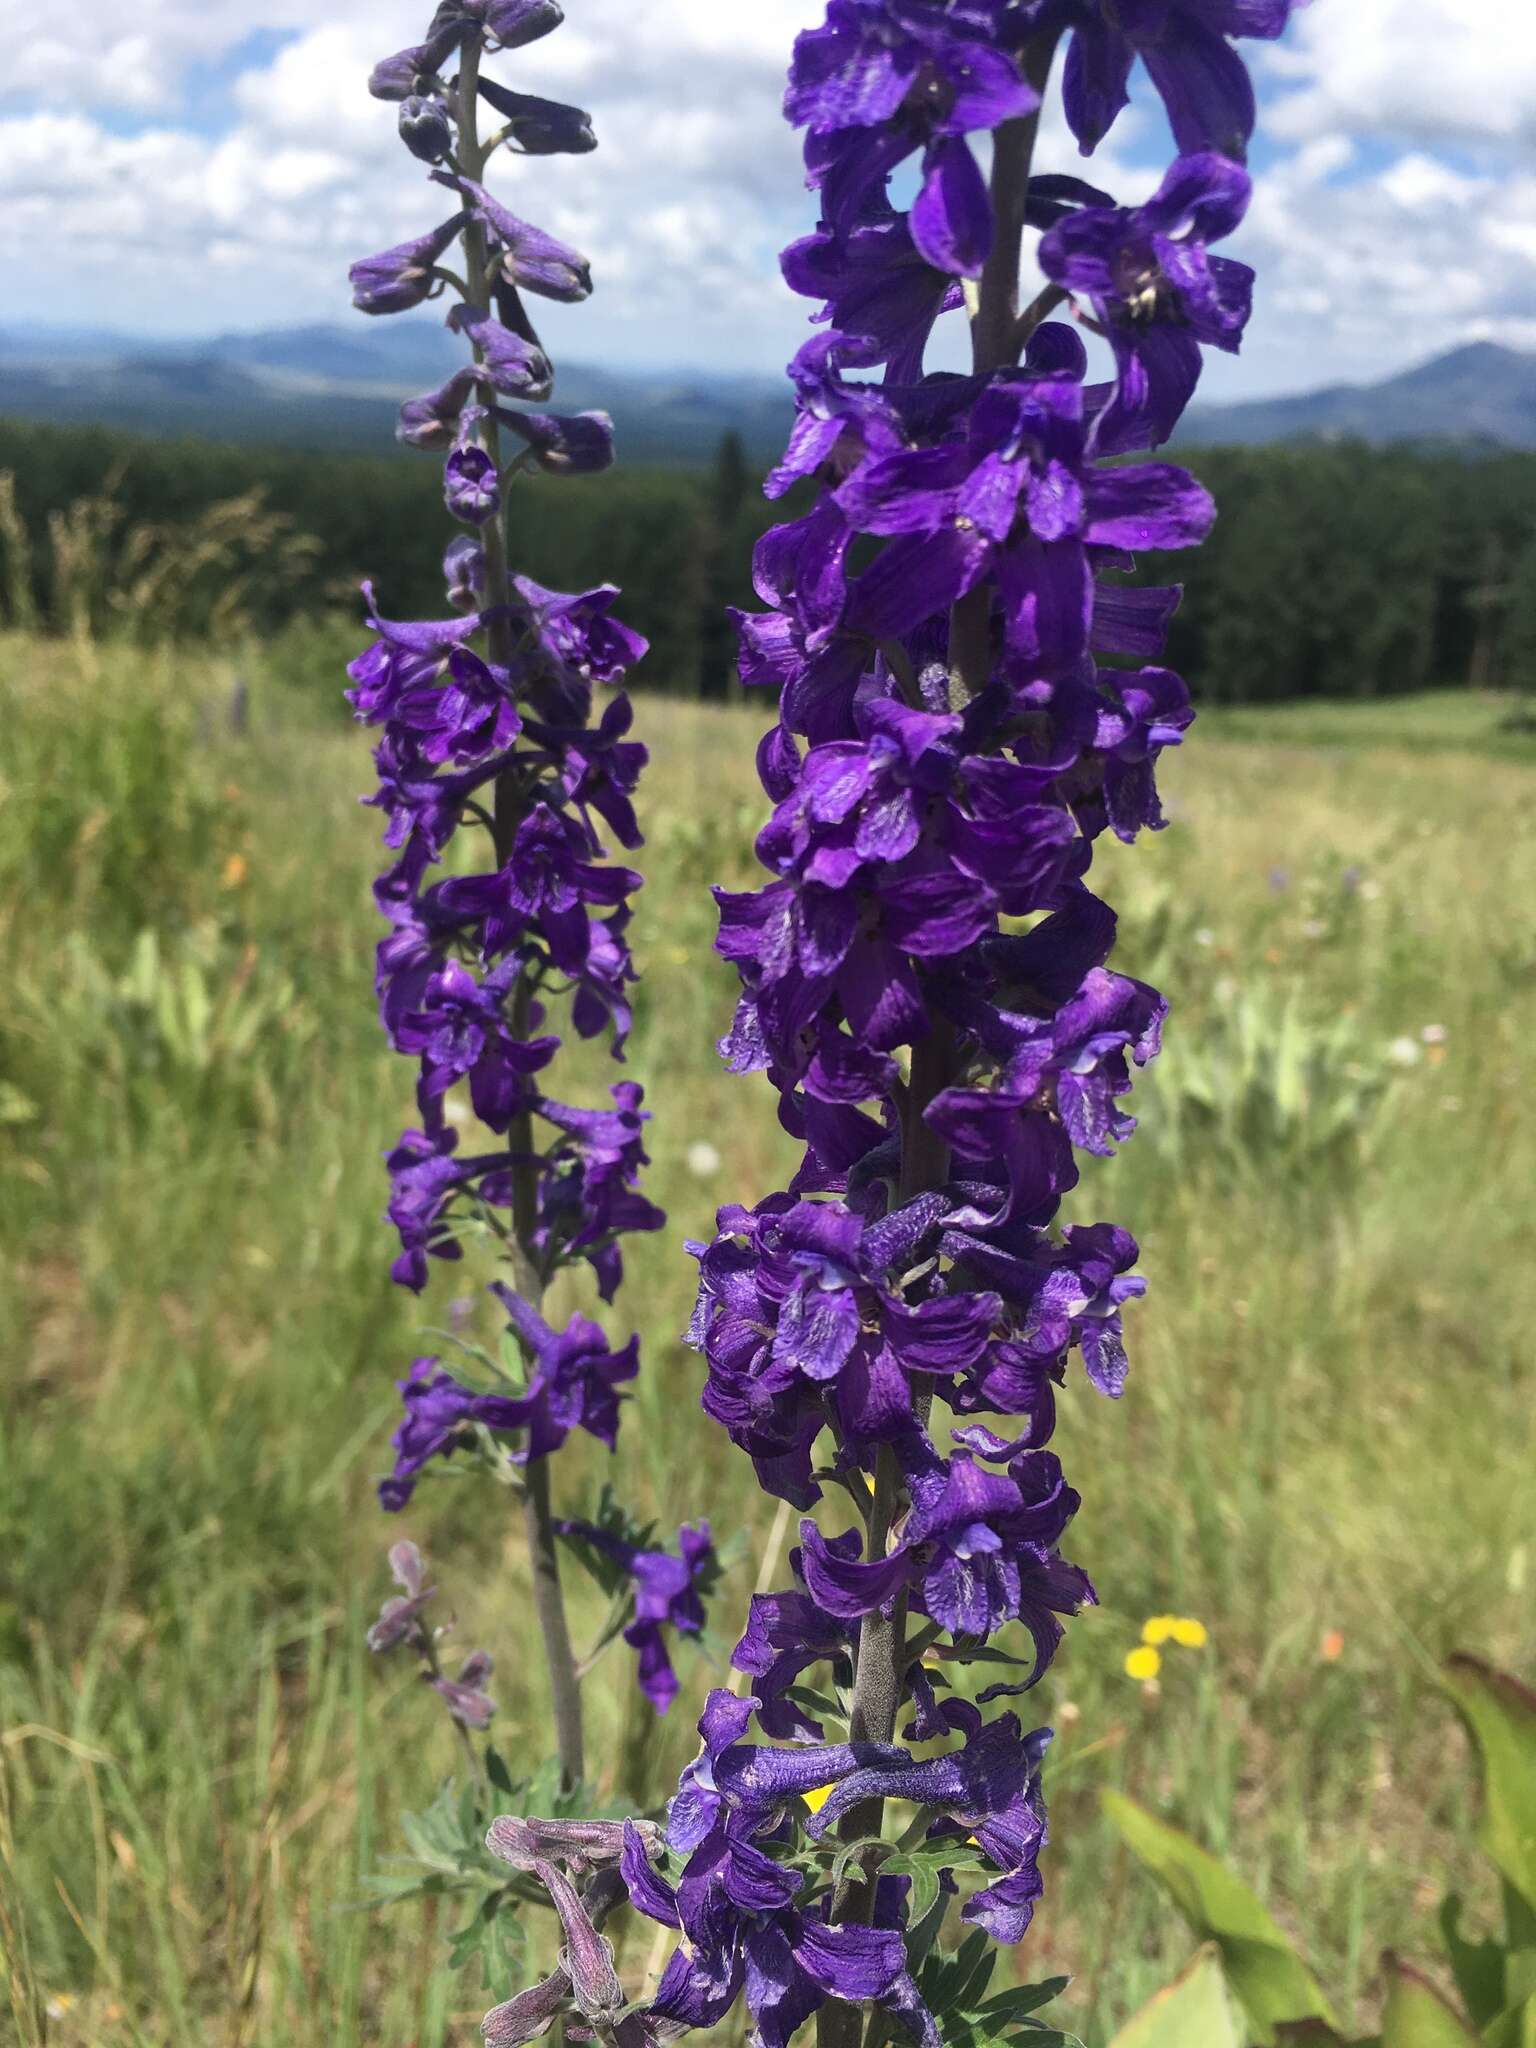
{"points": [[1190, 1634], [1143, 1663], [236, 868], [818, 1796], [1160, 1629]]}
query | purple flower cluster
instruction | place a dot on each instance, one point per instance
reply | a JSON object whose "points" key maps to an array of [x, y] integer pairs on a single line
{"points": [[970, 694], [486, 721], [503, 720], [664, 1589]]}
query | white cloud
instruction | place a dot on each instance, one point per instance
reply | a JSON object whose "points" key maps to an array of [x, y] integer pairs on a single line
{"points": [[1440, 70], [1374, 246]]}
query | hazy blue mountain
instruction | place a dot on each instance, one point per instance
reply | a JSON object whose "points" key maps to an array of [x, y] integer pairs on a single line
{"points": [[337, 387], [1480, 393]]}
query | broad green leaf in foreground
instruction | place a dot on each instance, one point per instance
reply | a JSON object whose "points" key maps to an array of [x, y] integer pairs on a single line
{"points": [[1269, 1979], [1194, 2011], [1417, 2015], [1501, 1714]]}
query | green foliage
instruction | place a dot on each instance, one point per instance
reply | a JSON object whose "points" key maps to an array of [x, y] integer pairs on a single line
{"points": [[1496, 1978], [1500, 1712], [1328, 1425], [1268, 1978], [1194, 2011], [1334, 572], [955, 1988], [1267, 1087], [1416, 2014]]}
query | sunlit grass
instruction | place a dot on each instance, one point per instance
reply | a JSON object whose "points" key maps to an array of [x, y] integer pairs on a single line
{"points": [[1323, 1456]]}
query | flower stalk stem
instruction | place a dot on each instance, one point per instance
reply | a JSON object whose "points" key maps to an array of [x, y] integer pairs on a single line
{"points": [[880, 1673]]}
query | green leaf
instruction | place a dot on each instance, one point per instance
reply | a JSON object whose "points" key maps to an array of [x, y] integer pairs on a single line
{"points": [[496, 1770], [1268, 1978], [1513, 2029], [852, 1851], [1316, 2034], [1194, 2011], [819, 1703], [1500, 1712], [1478, 1967], [1417, 2015], [924, 1894]]}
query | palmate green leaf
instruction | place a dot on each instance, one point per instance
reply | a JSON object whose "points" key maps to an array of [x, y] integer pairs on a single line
{"points": [[1268, 1978], [922, 1865], [494, 1938], [441, 1837], [1416, 2014], [1194, 2011], [1500, 1712]]}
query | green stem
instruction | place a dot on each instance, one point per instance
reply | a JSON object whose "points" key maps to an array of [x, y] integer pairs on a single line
{"points": [[879, 1679]]}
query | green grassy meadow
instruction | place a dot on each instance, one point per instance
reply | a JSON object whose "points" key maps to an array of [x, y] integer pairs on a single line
{"points": [[1324, 1454]]}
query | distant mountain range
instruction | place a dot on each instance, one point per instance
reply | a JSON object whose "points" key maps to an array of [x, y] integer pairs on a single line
{"points": [[1479, 394], [337, 387]]}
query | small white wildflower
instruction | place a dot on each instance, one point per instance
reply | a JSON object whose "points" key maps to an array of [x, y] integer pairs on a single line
{"points": [[703, 1160], [1205, 936], [1434, 1034], [1404, 1052], [1369, 890]]}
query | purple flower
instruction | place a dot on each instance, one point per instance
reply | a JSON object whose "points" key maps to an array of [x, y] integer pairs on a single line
{"points": [[399, 278], [988, 1791], [400, 1617], [515, 367], [978, 1551], [801, 1314], [1018, 500], [877, 286], [665, 1592], [527, 258], [516, 23], [573, 1378], [467, 1700], [737, 1904], [537, 127], [1203, 82], [1156, 291], [439, 1413], [883, 78], [579, 444], [461, 1031], [471, 486], [425, 128]]}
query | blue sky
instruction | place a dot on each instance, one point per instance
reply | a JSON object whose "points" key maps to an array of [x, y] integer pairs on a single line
{"points": [[189, 166]]}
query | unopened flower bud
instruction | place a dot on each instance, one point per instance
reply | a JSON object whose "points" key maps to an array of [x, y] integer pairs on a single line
{"points": [[425, 128], [399, 278], [587, 1957], [516, 23], [528, 2016], [539, 127], [464, 573], [576, 444], [471, 486]]}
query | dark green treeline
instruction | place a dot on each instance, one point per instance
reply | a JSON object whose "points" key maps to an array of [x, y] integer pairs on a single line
{"points": [[1334, 570]]}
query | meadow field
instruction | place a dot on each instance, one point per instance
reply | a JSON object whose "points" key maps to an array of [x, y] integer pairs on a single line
{"points": [[1324, 1453]]}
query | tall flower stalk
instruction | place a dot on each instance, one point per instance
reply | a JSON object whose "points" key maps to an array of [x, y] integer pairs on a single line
{"points": [[489, 729], [969, 696]]}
